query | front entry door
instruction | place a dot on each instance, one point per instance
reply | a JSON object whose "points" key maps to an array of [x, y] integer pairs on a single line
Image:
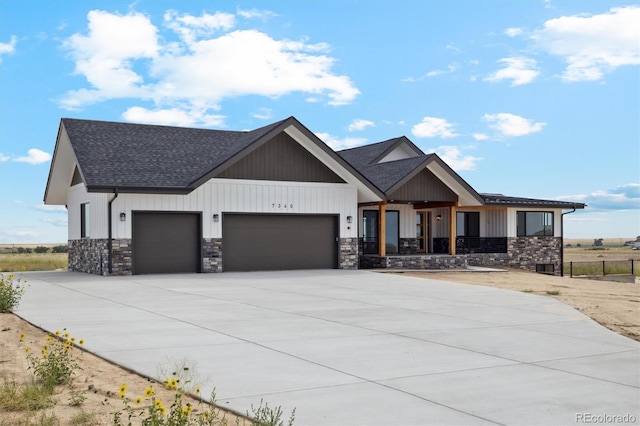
{"points": [[423, 232]]}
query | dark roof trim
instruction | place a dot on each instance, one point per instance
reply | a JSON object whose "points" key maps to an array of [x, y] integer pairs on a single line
{"points": [[506, 201]]}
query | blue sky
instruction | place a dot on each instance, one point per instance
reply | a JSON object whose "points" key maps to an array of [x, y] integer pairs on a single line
{"points": [[536, 99]]}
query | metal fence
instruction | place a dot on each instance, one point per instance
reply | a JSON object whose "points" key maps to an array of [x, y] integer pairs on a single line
{"points": [[600, 268]]}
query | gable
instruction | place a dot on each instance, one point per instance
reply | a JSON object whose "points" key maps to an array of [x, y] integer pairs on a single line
{"points": [[281, 159], [401, 150], [424, 186]]}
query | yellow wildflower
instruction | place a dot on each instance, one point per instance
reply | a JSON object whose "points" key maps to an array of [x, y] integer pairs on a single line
{"points": [[138, 400], [11, 277], [57, 332], [148, 392], [49, 338], [66, 335], [73, 339], [23, 268], [27, 349], [81, 341], [22, 336], [123, 388], [163, 410], [198, 390]]}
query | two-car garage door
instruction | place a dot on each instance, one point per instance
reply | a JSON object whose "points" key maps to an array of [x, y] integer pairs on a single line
{"points": [[171, 242], [258, 242]]}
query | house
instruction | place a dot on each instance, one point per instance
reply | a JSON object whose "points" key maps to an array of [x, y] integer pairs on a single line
{"points": [[157, 199]]}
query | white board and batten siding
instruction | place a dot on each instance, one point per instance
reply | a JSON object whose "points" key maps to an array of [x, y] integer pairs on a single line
{"points": [[98, 203], [219, 196]]}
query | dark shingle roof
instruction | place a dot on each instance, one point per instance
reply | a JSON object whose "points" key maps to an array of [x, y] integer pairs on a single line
{"points": [[503, 200], [137, 156], [364, 155]]}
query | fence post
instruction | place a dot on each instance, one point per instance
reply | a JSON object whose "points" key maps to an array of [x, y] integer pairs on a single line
{"points": [[604, 272], [632, 273], [571, 269]]}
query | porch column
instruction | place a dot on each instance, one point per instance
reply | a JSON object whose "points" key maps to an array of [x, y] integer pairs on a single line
{"points": [[452, 230], [382, 228]]}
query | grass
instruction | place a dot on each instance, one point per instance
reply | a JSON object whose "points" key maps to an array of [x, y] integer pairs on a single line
{"points": [[32, 262], [595, 268], [27, 397]]}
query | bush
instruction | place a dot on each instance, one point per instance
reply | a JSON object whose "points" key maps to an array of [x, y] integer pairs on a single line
{"points": [[41, 249], [60, 249], [11, 291]]}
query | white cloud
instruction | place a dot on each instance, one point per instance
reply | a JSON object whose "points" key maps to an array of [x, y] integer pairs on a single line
{"points": [[450, 69], [173, 117], [4, 157], [256, 13], [623, 197], [513, 31], [593, 45], [519, 70], [8, 48], [480, 136], [512, 125], [452, 155], [263, 114], [127, 56], [359, 124], [58, 222], [432, 127], [34, 156], [337, 143], [51, 209]]}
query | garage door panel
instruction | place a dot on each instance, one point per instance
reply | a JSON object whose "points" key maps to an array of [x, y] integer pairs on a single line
{"points": [[166, 242], [279, 242]]}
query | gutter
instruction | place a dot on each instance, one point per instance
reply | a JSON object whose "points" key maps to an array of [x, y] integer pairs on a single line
{"points": [[562, 240], [110, 240]]}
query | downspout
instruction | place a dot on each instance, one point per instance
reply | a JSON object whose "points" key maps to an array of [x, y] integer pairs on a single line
{"points": [[562, 241], [109, 241]]}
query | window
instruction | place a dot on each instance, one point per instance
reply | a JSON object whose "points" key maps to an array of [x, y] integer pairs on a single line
{"points": [[535, 224], [392, 236], [468, 224], [85, 220]]}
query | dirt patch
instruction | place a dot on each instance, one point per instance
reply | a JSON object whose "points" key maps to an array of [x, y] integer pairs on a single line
{"points": [[615, 305], [97, 382]]}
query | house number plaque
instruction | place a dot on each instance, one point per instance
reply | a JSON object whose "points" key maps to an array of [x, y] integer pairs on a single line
{"points": [[281, 205]]}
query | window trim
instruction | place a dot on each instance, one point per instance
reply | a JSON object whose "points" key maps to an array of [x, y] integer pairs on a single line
{"points": [[524, 233], [85, 220]]}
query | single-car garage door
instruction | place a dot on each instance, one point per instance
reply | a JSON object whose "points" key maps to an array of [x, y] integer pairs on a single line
{"points": [[259, 242], [165, 242]]}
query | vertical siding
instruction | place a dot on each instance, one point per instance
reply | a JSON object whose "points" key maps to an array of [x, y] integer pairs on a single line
{"points": [[220, 196], [495, 223], [98, 203]]}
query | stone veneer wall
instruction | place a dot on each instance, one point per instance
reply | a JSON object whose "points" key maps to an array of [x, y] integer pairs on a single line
{"points": [[121, 263], [421, 261], [211, 255], [524, 253], [92, 256], [348, 251], [408, 246], [89, 255]]}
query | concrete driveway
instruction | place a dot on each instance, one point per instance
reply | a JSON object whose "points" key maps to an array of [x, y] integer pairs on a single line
{"points": [[354, 347]]}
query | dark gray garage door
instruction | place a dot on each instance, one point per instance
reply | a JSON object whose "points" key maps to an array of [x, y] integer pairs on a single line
{"points": [[279, 242], [165, 242]]}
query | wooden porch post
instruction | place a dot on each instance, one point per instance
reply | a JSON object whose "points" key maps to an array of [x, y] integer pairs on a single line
{"points": [[452, 230], [382, 228]]}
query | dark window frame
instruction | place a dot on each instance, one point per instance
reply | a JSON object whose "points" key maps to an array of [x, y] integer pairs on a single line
{"points": [[521, 224], [85, 220], [468, 224], [397, 251]]}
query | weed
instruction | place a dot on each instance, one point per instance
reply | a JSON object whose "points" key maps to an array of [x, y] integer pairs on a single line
{"points": [[30, 396], [57, 362], [527, 291], [46, 420], [553, 292], [77, 398], [264, 415], [11, 291], [84, 418]]}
